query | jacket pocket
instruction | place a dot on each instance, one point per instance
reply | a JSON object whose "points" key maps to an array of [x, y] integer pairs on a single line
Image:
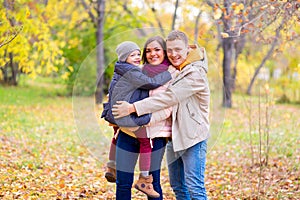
{"points": [[194, 113]]}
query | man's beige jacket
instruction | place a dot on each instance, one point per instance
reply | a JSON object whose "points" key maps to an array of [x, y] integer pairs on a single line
{"points": [[189, 96]]}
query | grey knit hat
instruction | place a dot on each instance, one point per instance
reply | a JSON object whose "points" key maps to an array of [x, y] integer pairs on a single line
{"points": [[124, 49]]}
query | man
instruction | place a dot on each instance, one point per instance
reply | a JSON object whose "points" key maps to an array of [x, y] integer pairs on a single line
{"points": [[189, 97]]}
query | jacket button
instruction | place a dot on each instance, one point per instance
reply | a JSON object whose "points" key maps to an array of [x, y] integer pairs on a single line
{"points": [[193, 114]]}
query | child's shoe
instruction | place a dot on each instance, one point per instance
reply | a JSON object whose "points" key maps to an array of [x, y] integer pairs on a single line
{"points": [[110, 174], [144, 184]]}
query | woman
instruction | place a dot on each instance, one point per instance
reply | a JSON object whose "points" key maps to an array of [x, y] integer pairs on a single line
{"points": [[159, 129]]}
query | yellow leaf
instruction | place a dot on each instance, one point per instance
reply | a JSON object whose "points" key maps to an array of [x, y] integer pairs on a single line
{"points": [[27, 13], [236, 11], [224, 35], [233, 5], [217, 14], [55, 69], [65, 76], [62, 44], [241, 6], [71, 68], [62, 183]]}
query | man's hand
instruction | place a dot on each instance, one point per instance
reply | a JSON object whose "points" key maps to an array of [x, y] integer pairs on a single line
{"points": [[122, 109]]}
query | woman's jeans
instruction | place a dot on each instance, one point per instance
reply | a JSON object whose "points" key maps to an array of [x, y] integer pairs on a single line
{"points": [[127, 152], [186, 171]]}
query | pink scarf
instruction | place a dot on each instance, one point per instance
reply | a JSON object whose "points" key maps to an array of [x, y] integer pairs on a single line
{"points": [[153, 70]]}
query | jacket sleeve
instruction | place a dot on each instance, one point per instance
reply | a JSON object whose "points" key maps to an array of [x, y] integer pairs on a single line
{"points": [[140, 80], [184, 86], [160, 115]]}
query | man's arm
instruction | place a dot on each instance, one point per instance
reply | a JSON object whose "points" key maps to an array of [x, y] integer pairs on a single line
{"points": [[123, 108], [192, 82]]}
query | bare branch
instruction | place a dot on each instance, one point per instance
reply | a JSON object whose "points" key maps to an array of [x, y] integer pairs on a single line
{"points": [[12, 38], [175, 15], [196, 26], [132, 14], [156, 18], [271, 50], [92, 16], [210, 3]]}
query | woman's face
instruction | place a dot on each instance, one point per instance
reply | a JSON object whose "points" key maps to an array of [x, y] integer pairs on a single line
{"points": [[154, 53]]}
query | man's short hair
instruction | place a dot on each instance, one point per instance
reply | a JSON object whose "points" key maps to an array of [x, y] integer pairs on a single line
{"points": [[177, 35]]}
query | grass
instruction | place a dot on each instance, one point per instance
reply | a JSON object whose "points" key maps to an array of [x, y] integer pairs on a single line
{"points": [[55, 147]]}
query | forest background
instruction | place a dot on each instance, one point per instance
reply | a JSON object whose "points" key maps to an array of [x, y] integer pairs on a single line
{"points": [[57, 61]]}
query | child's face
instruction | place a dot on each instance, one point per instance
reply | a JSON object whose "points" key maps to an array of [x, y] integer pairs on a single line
{"points": [[154, 53], [134, 58]]}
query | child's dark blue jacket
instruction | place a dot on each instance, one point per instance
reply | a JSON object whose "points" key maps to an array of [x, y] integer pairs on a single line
{"points": [[130, 84]]}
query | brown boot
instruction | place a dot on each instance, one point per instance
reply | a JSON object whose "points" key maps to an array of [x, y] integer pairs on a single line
{"points": [[110, 174], [144, 184]]}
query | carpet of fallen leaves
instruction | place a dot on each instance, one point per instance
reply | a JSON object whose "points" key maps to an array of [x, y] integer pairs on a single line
{"points": [[42, 157]]}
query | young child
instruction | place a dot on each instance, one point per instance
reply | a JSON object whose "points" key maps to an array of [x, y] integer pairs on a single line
{"points": [[130, 84]]}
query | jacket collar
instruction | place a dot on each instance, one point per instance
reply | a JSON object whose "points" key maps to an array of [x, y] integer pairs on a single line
{"points": [[195, 54]]}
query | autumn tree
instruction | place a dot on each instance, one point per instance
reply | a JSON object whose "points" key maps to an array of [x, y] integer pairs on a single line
{"points": [[38, 48], [276, 31], [96, 11], [235, 19]]}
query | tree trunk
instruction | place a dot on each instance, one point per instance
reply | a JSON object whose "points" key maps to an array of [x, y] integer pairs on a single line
{"points": [[239, 45], [11, 80], [227, 44], [100, 51], [175, 15], [196, 35], [14, 70], [162, 31]]}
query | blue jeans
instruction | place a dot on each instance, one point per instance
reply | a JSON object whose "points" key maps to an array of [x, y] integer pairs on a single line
{"points": [[186, 171], [127, 151]]}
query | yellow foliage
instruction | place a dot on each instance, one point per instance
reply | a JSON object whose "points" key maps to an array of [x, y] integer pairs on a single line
{"points": [[55, 69], [47, 30], [71, 69], [62, 44], [65, 76], [27, 13], [241, 6], [73, 43]]}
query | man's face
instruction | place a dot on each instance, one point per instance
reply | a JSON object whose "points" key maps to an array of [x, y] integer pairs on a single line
{"points": [[177, 52]]}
